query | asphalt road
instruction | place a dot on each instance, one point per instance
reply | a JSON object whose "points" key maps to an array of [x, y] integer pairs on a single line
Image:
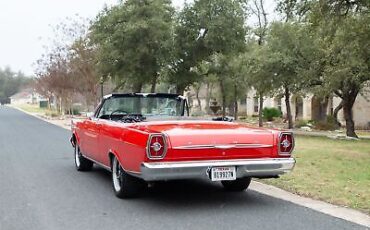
{"points": [[40, 189]]}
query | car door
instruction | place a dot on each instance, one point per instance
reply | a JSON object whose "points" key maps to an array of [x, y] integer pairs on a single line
{"points": [[91, 137]]}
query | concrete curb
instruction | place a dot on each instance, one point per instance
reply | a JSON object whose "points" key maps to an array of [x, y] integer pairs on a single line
{"points": [[320, 206]]}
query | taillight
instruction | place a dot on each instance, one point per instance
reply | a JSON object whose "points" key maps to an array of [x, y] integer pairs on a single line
{"points": [[156, 147], [286, 143]]}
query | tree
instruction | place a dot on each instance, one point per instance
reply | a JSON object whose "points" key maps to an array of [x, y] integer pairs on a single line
{"points": [[348, 71], [54, 79], [68, 66], [187, 51], [10, 83], [221, 27], [82, 62], [293, 53], [258, 9], [238, 80], [259, 72], [133, 40], [343, 27]]}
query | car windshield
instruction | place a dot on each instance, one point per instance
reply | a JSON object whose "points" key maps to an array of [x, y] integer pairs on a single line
{"points": [[144, 105]]}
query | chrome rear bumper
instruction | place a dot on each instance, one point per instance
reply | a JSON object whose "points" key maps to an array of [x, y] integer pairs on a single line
{"points": [[265, 167]]}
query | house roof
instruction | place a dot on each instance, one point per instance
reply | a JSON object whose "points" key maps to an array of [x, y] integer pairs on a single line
{"points": [[24, 93]]}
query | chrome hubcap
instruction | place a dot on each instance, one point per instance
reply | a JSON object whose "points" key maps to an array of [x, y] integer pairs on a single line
{"points": [[117, 172], [77, 156]]}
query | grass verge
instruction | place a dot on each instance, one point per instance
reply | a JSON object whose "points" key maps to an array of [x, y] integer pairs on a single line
{"points": [[37, 110], [335, 171]]}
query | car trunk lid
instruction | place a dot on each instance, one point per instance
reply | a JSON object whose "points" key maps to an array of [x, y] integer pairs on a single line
{"points": [[214, 140]]}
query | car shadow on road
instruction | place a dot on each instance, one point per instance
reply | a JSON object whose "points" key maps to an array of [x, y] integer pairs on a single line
{"points": [[200, 192], [192, 193]]}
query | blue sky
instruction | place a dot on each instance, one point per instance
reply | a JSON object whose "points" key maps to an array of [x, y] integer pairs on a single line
{"points": [[26, 26]]}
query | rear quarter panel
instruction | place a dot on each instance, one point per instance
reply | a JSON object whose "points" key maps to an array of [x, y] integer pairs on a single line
{"points": [[127, 144]]}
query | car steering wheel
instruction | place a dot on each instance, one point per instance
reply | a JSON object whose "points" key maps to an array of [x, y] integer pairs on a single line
{"points": [[117, 111]]}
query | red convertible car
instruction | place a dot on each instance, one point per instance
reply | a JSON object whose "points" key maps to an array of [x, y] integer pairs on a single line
{"points": [[145, 138]]}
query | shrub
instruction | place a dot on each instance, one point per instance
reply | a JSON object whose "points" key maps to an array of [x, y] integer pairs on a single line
{"points": [[329, 124], [52, 114], [242, 117], [197, 113], [270, 113], [76, 109], [301, 123]]}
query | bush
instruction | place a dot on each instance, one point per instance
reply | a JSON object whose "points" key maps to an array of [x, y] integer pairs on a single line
{"points": [[270, 113], [329, 124], [76, 109], [197, 113], [52, 114], [301, 123]]}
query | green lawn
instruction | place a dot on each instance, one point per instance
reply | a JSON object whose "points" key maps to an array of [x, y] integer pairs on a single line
{"points": [[36, 109], [336, 171]]}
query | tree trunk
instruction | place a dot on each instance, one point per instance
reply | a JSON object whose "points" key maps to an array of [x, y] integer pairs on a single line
{"points": [[223, 96], [180, 89], [288, 108], [325, 105], [335, 113], [236, 102], [101, 90], [198, 99], [71, 113], [49, 103], [60, 106], [348, 102], [137, 87], [119, 86], [208, 97], [154, 84], [260, 109]]}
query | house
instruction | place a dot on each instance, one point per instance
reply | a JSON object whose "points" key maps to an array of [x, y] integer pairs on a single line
{"points": [[202, 98], [26, 96], [303, 107], [312, 107]]}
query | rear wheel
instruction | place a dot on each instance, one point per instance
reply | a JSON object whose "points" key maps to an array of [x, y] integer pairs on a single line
{"points": [[82, 164], [237, 185], [125, 185]]}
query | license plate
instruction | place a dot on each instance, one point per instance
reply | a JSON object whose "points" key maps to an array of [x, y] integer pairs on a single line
{"points": [[223, 173]]}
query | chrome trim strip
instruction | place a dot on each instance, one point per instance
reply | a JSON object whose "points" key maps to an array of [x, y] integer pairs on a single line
{"points": [[181, 164], [226, 146], [265, 167], [133, 173], [98, 163]]}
